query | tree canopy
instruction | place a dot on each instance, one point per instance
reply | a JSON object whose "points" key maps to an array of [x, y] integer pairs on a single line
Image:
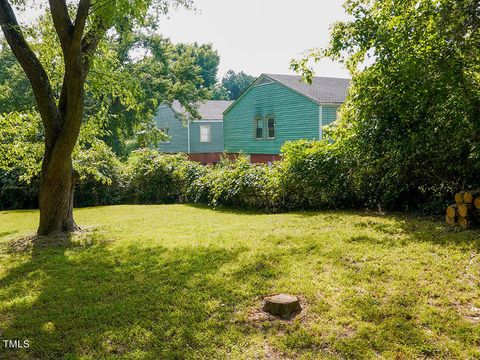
{"points": [[233, 85], [412, 117], [59, 83]]}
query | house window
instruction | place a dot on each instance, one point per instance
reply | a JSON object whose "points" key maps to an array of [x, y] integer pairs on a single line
{"points": [[205, 134], [258, 127], [165, 131], [270, 127]]}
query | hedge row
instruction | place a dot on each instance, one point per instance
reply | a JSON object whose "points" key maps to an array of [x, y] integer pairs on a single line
{"points": [[311, 175]]}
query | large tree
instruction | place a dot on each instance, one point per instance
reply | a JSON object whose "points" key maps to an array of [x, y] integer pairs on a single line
{"points": [[62, 113], [412, 118], [233, 85]]}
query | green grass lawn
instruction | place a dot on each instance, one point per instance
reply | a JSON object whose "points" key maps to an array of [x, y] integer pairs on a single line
{"points": [[183, 282]]}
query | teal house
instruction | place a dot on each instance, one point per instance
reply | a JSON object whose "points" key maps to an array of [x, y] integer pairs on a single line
{"points": [[201, 139], [280, 108]]}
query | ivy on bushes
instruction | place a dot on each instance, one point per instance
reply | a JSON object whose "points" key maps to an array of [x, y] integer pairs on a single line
{"points": [[103, 177], [311, 175]]}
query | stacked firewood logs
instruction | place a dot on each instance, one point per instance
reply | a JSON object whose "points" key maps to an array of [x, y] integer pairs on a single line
{"points": [[466, 210]]}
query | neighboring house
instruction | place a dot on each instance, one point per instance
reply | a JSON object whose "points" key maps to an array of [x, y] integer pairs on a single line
{"points": [[201, 139], [279, 108]]}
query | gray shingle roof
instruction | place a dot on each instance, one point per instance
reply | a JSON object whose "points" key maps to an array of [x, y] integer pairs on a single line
{"points": [[208, 110], [322, 89]]}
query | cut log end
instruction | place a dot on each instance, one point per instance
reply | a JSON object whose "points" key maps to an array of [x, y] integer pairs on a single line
{"points": [[459, 197], [464, 223], [450, 220], [282, 305], [469, 196], [452, 211], [464, 209], [476, 202]]}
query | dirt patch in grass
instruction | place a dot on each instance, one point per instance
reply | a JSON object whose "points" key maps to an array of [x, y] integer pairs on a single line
{"points": [[469, 312], [83, 238], [271, 353]]}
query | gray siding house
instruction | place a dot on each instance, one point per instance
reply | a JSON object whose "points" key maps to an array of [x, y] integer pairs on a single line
{"points": [[201, 139]]}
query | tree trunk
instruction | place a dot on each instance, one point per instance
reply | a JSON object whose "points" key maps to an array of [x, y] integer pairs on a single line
{"points": [[57, 184], [61, 121]]}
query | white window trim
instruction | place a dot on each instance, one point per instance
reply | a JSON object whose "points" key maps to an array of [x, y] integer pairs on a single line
{"points": [[267, 117], [209, 137]]}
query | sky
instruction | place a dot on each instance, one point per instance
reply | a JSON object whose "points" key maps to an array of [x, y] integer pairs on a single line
{"points": [[259, 36]]}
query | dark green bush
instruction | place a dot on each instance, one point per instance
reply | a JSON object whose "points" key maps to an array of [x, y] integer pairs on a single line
{"points": [[15, 193], [317, 174], [311, 175], [156, 178], [103, 177], [241, 184]]}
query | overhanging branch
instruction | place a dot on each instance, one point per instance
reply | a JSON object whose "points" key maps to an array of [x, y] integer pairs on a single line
{"points": [[81, 19], [34, 70], [61, 21], [90, 42]]}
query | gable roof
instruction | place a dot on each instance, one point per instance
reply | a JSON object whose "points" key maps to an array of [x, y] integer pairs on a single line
{"points": [[322, 89], [208, 110]]}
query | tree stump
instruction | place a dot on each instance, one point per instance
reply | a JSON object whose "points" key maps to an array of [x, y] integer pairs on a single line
{"points": [[282, 305]]}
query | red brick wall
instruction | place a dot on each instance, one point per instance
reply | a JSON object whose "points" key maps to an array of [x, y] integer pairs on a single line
{"points": [[259, 158], [213, 158], [264, 158], [207, 158]]}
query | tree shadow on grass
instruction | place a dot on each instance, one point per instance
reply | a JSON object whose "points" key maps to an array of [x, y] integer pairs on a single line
{"points": [[20, 211], [416, 228], [100, 301], [227, 210], [6, 233], [419, 229]]}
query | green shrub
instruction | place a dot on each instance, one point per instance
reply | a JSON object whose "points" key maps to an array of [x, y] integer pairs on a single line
{"points": [[16, 193], [317, 174], [239, 183], [156, 178], [103, 177], [311, 175]]}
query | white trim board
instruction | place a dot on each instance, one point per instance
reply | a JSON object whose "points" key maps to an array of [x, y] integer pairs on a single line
{"points": [[320, 122], [206, 121]]}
